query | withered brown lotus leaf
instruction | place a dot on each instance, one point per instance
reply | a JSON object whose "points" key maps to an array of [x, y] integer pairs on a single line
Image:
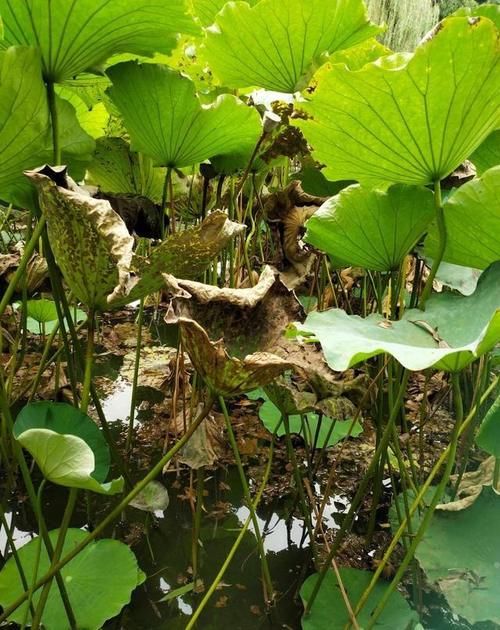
{"points": [[91, 243]]}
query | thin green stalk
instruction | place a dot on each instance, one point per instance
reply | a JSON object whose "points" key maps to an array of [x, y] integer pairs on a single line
{"points": [[133, 401], [360, 494], [115, 513], [267, 582], [200, 484], [20, 271], [441, 223], [68, 513], [89, 362], [235, 547], [437, 497], [54, 117], [164, 200]]}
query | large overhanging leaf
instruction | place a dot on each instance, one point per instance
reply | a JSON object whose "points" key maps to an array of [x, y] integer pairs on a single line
{"points": [[370, 228], [99, 581], [67, 445], [329, 608], [166, 121], [461, 555], [75, 36], [25, 138], [89, 239], [286, 43], [451, 332], [206, 10], [472, 216], [408, 118]]}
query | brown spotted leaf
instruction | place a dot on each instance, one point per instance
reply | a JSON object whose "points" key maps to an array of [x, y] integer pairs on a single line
{"points": [[91, 243]]}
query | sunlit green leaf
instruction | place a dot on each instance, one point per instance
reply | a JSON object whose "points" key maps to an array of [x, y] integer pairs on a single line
{"points": [[286, 43], [67, 445], [206, 10], [472, 215], [408, 118], [487, 155], [92, 118], [451, 332], [76, 36], [370, 228], [329, 609], [166, 121], [99, 581]]}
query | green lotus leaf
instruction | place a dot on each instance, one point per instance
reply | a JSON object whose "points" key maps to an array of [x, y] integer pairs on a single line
{"points": [[410, 119], [472, 215], [76, 36], [154, 497], [206, 10], [93, 118], [490, 11], [185, 254], [117, 169], [487, 155], [461, 555], [457, 277], [166, 121], [451, 332], [371, 228], [488, 436], [67, 446], [99, 581], [45, 312], [89, 239], [329, 609], [26, 138], [286, 43]]}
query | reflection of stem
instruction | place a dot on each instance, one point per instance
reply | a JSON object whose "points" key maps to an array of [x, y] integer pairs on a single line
{"points": [[133, 401], [115, 513], [200, 483], [234, 548], [441, 223], [54, 117], [268, 585], [438, 495]]}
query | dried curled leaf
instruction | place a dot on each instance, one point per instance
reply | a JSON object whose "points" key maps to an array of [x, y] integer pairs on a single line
{"points": [[471, 486], [91, 243], [225, 375]]}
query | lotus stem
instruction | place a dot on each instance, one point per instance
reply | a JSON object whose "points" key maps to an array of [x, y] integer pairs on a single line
{"points": [[441, 223], [167, 191], [89, 361], [115, 513], [267, 581], [438, 495], [54, 118], [235, 546], [200, 483]]}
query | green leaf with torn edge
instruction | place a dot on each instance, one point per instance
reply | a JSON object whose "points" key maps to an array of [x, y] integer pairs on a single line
{"points": [[166, 120], [472, 216], [67, 446], [286, 43], [451, 333], [371, 228], [76, 36], [405, 118], [99, 581]]}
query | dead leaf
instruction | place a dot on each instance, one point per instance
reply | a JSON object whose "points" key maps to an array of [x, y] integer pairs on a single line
{"points": [[471, 486]]}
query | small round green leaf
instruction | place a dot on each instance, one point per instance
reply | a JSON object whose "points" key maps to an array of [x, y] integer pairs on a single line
{"points": [[99, 581], [370, 228], [67, 445]]}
